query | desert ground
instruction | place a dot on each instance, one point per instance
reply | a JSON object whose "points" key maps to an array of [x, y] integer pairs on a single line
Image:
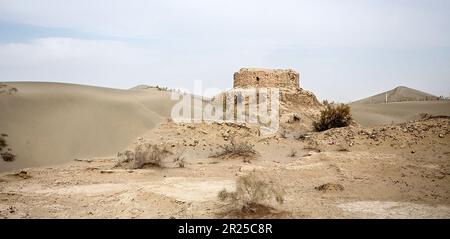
{"points": [[71, 144]]}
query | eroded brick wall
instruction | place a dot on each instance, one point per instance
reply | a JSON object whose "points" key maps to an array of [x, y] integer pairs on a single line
{"points": [[249, 77]]}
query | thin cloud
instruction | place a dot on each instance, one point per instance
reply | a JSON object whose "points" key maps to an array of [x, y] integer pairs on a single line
{"points": [[366, 45]]}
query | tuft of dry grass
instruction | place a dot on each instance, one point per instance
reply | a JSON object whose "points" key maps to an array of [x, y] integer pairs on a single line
{"points": [[253, 192], [343, 148], [330, 187], [144, 155], [333, 117], [149, 155], [235, 149], [8, 156], [293, 153], [313, 145], [179, 161], [3, 143]]}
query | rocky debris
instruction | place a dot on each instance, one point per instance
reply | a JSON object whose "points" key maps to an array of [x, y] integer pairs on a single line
{"points": [[290, 118], [190, 126], [194, 143], [12, 209], [83, 160], [401, 135], [21, 175], [225, 134], [172, 143]]}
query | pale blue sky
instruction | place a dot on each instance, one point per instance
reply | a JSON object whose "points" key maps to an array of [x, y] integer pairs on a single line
{"points": [[344, 50]]}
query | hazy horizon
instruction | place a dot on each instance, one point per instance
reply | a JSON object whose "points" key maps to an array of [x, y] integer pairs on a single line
{"points": [[343, 51]]}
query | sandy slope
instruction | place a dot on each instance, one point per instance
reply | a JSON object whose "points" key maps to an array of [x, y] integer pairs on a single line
{"points": [[398, 94], [52, 123], [381, 114]]}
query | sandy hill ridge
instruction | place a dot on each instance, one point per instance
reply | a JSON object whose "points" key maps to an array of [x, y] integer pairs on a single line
{"points": [[403, 104], [398, 94], [53, 123]]}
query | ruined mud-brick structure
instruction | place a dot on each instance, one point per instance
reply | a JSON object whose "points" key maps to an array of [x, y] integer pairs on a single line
{"points": [[287, 81], [297, 107], [296, 104], [268, 78]]}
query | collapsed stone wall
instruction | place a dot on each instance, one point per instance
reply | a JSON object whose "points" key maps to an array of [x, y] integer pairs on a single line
{"points": [[269, 78]]}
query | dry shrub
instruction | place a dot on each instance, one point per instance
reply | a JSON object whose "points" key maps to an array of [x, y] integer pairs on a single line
{"points": [[343, 148], [149, 155], [313, 145], [3, 143], [179, 160], [253, 192], [333, 117], [8, 157], [145, 154], [7, 89], [425, 116], [235, 149], [330, 187], [293, 153]]}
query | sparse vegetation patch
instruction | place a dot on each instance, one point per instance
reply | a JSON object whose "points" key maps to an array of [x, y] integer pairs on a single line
{"points": [[253, 195], [5, 153], [333, 117], [144, 155], [235, 149]]}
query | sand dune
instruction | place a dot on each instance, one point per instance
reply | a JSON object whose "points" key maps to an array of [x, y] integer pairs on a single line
{"points": [[398, 94], [403, 104], [52, 123], [382, 114]]}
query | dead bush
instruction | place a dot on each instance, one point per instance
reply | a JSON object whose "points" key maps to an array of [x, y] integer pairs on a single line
{"points": [[293, 153], [3, 143], [333, 117], [149, 155], [179, 160], [144, 154], [253, 193], [330, 187], [8, 157], [343, 148], [425, 116], [313, 145], [235, 149]]}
